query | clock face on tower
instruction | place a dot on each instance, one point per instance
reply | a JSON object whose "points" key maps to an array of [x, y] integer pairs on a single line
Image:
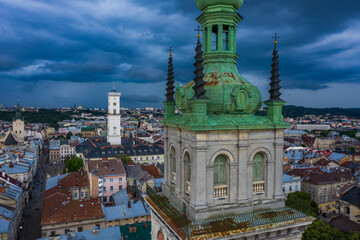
{"points": [[114, 103]]}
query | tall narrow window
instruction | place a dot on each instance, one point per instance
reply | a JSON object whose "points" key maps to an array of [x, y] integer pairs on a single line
{"points": [[172, 166], [187, 173], [226, 38], [114, 111], [220, 170], [220, 176], [258, 173], [214, 38]]}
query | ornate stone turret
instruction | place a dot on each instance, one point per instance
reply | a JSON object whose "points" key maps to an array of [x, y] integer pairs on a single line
{"points": [[223, 163], [199, 72], [169, 102], [199, 101], [170, 79], [275, 103], [275, 81], [228, 91]]}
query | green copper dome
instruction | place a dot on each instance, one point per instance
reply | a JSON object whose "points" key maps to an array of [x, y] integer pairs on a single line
{"points": [[227, 91], [202, 4]]}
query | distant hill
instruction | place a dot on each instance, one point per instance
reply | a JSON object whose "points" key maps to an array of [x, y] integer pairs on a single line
{"points": [[298, 111]]}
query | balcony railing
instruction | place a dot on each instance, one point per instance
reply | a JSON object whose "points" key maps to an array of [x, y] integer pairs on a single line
{"points": [[258, 187], [220, 190], [187, 187], [173, 177]]}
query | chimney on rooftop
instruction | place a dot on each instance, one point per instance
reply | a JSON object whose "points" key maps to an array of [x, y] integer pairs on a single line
{"points": [[3, 173]]}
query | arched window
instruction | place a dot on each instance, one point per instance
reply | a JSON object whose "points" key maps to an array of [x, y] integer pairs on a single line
{"points": [[221, 170], [160, 236], [258, 167], [172, 165], [187, 162], [259, 173]]}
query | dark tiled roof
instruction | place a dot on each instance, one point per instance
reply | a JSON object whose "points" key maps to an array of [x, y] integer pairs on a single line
{"points": [[352, 196], [10, 140], [106, 167], [301, 172], [99, 148], [136, 171], [345, 224], [5, 177], [326, 178]]}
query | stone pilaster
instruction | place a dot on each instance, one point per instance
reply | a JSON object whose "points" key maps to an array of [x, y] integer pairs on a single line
{"points": [[243, 173]]}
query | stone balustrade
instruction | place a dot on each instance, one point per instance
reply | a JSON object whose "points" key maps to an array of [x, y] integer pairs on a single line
{"points": [[258, 187], [220, 190]]}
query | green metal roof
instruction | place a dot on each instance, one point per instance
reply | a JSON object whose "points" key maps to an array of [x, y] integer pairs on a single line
{"points": [[141, 232], [224, 122]]}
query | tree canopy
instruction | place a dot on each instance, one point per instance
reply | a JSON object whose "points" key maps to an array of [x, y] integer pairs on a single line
{"points": [[73, 164], [68, 135], [124, 158], [319, 230], [302, 201]]}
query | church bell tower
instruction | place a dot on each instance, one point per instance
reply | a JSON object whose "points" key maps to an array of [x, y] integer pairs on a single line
{"points": [[18, 125], [114, 118], [223, 163]]}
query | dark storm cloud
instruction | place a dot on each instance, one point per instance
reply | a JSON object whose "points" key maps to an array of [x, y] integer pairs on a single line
{"points": [[97, 41], [137, 99]]}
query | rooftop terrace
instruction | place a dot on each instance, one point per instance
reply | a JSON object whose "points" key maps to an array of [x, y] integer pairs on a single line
{"points": [[222, 226]]}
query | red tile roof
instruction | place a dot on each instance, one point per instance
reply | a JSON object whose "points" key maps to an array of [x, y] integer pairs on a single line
{"points": [[152, 170], [326, 178], [59, 206]]}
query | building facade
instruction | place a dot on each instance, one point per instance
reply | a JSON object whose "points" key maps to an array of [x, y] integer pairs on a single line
{"points": [[114, 118], [291, 184], [324, 188], [107, 177]]}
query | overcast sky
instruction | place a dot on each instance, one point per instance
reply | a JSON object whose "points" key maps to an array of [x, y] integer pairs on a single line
{"points": [[60, 53]]}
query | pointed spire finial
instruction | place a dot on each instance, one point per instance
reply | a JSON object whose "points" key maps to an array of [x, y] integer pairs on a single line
{"points": [[198, 30], [170, 78], [275, 81], [199, 71], [275, 41]]}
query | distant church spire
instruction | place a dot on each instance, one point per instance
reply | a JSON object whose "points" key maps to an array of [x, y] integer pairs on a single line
{"points": [[199, 70], [275, 81], [18, 111], [170, 79]]}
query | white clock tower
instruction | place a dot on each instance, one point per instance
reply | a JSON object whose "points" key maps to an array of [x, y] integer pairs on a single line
{"points": [[114, 118]]}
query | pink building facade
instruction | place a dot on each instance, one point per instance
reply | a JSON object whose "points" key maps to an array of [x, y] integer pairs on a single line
{"points": [[111, 185], [107, 178]]}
